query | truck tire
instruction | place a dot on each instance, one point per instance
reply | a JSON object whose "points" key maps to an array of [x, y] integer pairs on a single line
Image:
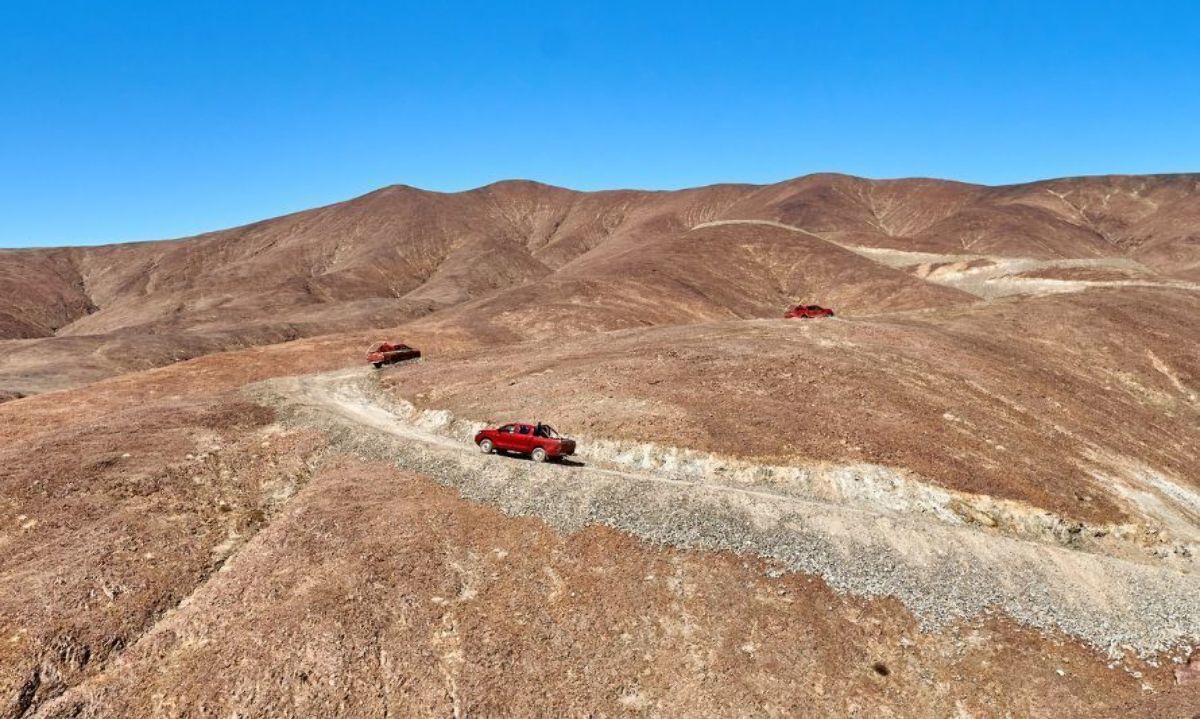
{"points": [[538, 454], [485, 446]]}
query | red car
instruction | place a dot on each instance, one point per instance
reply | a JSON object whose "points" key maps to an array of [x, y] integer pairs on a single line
{"points": [[389, 352], [808, 311], [539, 441]]}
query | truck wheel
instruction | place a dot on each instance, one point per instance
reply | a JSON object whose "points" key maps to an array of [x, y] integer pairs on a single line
{"points": [[485, 446], [538, 454]]}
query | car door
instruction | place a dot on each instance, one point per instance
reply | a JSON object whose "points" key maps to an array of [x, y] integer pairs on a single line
{"points": [[504, 437], [523, 439]]}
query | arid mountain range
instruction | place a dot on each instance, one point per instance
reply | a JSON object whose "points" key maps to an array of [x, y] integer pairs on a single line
{"points": [[972, 493], [641, 258]]}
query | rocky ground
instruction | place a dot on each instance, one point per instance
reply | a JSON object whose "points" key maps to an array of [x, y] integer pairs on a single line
{"points": [[259, 554], [865, 548]]}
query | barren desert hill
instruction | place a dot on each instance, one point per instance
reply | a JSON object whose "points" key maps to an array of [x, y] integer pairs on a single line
{"points": [[709, 273], [401, 253], [43, 291], [397, 242], [1143, 217], [1068, 402], [374, 261], [235, 533], [984, 508]]}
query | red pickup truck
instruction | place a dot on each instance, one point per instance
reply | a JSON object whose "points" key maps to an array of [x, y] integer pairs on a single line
{"points": [[391, 352], [539, 441], [803, 312]]}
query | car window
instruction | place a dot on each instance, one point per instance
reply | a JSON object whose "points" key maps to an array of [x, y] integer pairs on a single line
{"points": [[507, 428], [524, 429]]}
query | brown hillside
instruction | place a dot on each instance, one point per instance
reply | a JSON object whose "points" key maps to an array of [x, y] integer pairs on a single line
{"points": [[402, 253]]}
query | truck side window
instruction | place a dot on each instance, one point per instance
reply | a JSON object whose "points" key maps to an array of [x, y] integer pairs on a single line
{"points": [[524, 429], [507, 428]]}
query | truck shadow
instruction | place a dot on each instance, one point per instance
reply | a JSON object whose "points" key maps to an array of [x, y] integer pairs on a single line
{"points": [[564, 462]]}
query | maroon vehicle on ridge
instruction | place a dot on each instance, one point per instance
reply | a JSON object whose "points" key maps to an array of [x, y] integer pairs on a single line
{"points": [[539, 441], [390, 353], [808, 312]]}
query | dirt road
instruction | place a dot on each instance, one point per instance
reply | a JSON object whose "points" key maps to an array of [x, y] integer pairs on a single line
{"points": [[990, 276]]}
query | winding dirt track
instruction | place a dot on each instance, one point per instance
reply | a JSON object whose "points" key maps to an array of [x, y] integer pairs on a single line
{"points": [[1000, 277], [942, 572]]}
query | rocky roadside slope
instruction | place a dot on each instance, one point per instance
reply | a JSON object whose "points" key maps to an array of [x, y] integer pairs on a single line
{"points": [[942, 571]]}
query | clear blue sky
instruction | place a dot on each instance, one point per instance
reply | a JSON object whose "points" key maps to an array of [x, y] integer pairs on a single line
{"points": [[128, 120]]}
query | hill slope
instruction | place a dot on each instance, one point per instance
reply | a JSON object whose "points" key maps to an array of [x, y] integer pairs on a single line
{"points": [[402, 253]]}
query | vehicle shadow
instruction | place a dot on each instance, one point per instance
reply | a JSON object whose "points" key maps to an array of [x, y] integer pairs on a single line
{"points": [[564, 462]]}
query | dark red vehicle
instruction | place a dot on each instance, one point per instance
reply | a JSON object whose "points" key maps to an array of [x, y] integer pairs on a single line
{"points": [[391, 352], [539, 441], [808, 312]]}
